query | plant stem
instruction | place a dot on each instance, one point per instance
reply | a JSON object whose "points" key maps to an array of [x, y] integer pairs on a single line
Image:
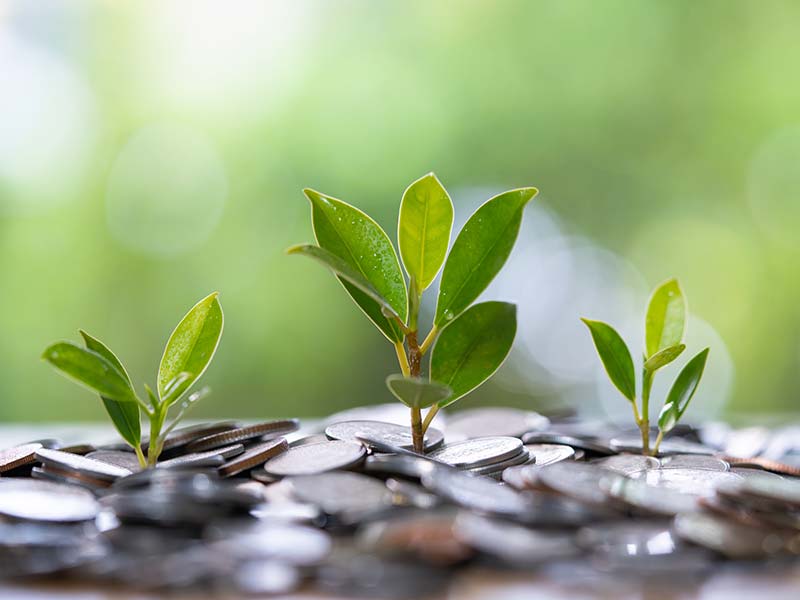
{"points": [[414, 359], [417, 434], [156, 441], [140, 455], [429, 339], [644, 422], [402, 358], [658, 442], [429, 418]]}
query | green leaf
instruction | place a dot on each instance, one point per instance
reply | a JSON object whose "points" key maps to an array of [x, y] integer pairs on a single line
{"points": [[89, 369], [124, 415], [423, 229], [666, 317], [615, 356], [480, 251], [472, 347], [354, 237], [663, 357], [342, 269], [682, 391], [191, 347], [415, 392]]}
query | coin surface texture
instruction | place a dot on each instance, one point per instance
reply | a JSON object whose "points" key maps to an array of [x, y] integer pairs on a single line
{"points": [[308, 459]]}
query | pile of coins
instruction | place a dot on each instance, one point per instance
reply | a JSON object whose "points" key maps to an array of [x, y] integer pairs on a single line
{"points": [[345, 506]]}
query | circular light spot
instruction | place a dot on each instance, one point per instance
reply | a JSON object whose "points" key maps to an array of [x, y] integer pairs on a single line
{"points": [[166, 191]]}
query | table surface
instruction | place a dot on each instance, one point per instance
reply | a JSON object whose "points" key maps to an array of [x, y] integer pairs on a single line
{"points": [[728, 582]]}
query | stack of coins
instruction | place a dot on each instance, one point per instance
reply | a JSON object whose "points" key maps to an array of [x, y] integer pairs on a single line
{"points": [[345, 506]]}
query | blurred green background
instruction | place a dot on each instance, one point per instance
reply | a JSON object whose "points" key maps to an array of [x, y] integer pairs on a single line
{"points": [[153, 152]]}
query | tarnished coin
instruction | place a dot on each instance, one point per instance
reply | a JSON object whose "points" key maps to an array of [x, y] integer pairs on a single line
{"points": [[668, 446], [82, 449], [117, 458], [694, 461], [347, 495], [511, 543], [181, 436], [763, 463], [588, 443], [18, 456], [478, 452], [579, 481], [627, 463], [209, 458], [253, 457], [697, 482], [241, 434], [80, 464], [316, 458], [44, 501], [548, 454], [389, 433], [638, 494], [733, 540], [495, 421]]}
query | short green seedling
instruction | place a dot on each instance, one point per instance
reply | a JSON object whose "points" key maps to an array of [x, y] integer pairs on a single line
{"points": [[664, 329], [468, 342], [188, 353]]}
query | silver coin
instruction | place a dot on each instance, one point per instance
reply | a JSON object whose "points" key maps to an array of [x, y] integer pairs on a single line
{"points": [[627, 463], [341, 493], [588, 443], [548, 454], [786, 491], [400, 465], [411, 494], [289, 543], [18, 456], [697, 482], [733, 540], [267, 430], [638, 494], [81, 464], [309, 459], [117, 458], [513, 477], [579, 481], [668, 446], [511, 543], [266, 577], [299, 438], [694, 461], [482, 422], [496, 469], [478, 452], [390, 412], [44, 501], [748, 473], [210, 458], [389, 433]]}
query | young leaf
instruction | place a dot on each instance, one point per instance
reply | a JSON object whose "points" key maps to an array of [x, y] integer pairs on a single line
{"points": [[342, 269], [666, 317], [353, 236], [124, 415], [472, 347], [480, 251], [615, 356], [191, 347], [415, 392], [90, 370], [423, 229], [682, 391], [663, 357]]}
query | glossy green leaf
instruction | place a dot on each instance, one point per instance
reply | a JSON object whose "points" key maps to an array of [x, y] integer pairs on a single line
{"points": [[615, 356], [342, 269], [479, 252], [663, 357], [191, 347], [416, 392], [354, 237], [423, 229], [89, 369], [666, 317], [472, 347], [124, 415], [682, 391]]}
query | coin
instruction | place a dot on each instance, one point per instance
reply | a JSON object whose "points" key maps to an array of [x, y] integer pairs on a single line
{"points": [[694, 461], [588, 443], [341, 493], [80, 464], [389, 433], [316, 458], [784, 490], [45, 501], [579, 481], [668, 446], [646, 498], [627, 463], [18, 456], [733, 540], [548, 454], [253, 457], [399, 465], [241, 434], [698, 482], [286, 542], [209, 458], [495, 421], [496, 469], [390, 412], [766, 464], [180, 437], [478, 452], [117, 458]]}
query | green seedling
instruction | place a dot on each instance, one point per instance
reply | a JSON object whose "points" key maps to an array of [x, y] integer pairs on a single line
{"points": [[467, 342], [665, 324], [188, 353]]}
